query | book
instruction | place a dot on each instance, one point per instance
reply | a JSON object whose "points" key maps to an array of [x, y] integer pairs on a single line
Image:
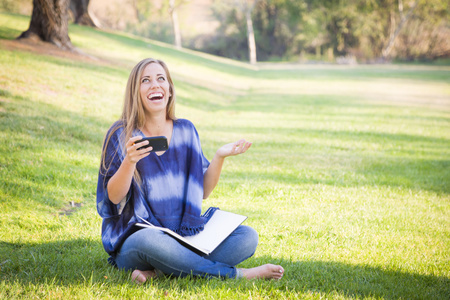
{"points": [[220, 225]]}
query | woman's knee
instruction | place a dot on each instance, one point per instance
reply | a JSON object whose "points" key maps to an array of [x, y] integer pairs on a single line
{"points": [[250, 237]]}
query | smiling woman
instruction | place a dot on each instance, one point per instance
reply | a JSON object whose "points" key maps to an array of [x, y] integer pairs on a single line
{"points": [[164, 188]]}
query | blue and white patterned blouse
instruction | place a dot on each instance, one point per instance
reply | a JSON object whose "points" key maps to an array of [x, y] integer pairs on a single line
{"points": [[171, 192]]}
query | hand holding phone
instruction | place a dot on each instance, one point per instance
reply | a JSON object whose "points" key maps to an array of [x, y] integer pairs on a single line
{"points": [[158, 143]]}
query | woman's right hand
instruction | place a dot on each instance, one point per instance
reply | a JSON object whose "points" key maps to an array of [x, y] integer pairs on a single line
{"points": [[119, 184], [133, 154]]}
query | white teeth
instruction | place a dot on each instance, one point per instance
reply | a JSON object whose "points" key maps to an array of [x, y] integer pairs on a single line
{"points": [[155, 95]]}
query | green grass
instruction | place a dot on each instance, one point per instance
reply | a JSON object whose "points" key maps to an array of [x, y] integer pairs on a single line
{"points": [[347, 183]]}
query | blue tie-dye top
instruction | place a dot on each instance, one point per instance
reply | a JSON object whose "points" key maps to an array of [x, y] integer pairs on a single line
{"points": [[171, 191]]}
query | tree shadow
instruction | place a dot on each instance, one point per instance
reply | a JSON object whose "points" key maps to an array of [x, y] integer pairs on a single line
{"points": [[332, 157], [72, 262], [60, 262], [355, 281], [34, 134]]}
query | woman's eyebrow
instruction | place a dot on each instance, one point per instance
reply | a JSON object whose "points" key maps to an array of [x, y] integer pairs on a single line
{"points": [[161, 74]]}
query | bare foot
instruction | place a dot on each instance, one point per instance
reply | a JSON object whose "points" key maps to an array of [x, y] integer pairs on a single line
{"points": [[139, 276], [267, 271]]}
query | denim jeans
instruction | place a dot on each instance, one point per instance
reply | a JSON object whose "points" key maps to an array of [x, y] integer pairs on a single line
{"points": [[149, 249]]}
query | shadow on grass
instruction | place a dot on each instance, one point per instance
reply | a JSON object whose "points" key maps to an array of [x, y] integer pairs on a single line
{"points": [[49, 156], [61, 262], [348, 159], [415, 174], [327, 277], [80, 261]]}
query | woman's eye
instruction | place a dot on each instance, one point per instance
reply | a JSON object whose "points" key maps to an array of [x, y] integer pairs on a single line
{"points": [[161, 78], [144, 80]]}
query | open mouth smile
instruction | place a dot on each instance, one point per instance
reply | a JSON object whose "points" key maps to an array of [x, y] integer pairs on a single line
{"points": [[155, 96]]}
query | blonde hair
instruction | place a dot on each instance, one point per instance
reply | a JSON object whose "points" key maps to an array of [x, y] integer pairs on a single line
{"points": [[133, 114]]}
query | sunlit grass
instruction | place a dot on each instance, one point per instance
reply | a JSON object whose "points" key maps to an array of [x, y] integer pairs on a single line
{"points": [[347, 181]]}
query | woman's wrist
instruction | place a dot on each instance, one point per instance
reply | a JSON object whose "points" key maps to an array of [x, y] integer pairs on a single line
{"points": [[218, 156], [128, 163]]}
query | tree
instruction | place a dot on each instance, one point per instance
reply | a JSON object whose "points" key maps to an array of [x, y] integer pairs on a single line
{"points": [[395, 33], [279, 27], [272, 25], [49, 23], [79, 9], [247, 7], [175, 24], [365, 30]]}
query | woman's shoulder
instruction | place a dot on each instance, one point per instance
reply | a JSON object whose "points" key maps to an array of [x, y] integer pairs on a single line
{"points": [[117, 127], [114, 133], [118, 124], [186, 131], [184, 124]]}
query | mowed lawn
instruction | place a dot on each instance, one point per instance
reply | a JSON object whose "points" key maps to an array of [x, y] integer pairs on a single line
{"points": [[347, 181]]}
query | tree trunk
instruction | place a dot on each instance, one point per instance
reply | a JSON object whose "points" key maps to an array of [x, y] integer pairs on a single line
{"points": [[330, 54], [393, 35], [175, 23], [49, 23], [250, 35], [136, 11], [246, 7], [79, 9]]}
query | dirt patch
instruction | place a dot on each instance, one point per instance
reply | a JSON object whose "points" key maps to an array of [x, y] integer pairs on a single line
{"points": [[70, 208], [37, 46]]}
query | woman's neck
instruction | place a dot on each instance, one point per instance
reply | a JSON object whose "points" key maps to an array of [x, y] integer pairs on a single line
{"points": [[156, 126]]}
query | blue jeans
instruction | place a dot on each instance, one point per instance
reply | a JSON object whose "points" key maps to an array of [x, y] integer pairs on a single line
{"points": [[149, 249]]}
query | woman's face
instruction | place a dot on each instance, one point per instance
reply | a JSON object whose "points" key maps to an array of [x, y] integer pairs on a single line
{"points": [[154, 89]]}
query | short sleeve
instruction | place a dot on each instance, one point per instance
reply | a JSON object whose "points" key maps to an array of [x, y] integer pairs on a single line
{"points": [[198, 146], [205, 163], [110, 163]]}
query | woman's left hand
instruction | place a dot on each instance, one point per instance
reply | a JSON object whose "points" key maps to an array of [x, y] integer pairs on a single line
{"points": [[213, 173], [236, 148]]}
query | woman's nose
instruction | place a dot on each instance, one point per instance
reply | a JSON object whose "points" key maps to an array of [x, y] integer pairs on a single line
{"points": [[154, 84]]}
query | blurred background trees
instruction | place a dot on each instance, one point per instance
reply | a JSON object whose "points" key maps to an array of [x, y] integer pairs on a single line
{"points": [[283, 30], [80, 13]]}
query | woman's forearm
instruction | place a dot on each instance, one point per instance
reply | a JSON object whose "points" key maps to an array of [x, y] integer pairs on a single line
{"points": [[212, 175], [119, 184]]}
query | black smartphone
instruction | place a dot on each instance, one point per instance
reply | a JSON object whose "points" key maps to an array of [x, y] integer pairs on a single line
{"points": [[159, 143]]}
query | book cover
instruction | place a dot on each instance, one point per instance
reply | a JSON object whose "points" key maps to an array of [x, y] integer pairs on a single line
{"points": [[220, 225]]}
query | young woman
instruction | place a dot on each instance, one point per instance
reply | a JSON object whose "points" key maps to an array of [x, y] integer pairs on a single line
{"points": [[165, 188]]}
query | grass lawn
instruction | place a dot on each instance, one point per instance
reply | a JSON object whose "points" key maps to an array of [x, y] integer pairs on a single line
{"points": [[347, 182]]}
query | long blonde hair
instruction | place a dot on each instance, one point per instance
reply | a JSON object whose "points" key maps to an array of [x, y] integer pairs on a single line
{"points": [[133, 114]]}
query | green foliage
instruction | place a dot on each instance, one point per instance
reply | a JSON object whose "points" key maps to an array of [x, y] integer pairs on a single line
{"points": [[15, 6], [275, 24], [145, 9], [290, 29], [230, 39], [154, 20], [296, 30], [347, 180]]}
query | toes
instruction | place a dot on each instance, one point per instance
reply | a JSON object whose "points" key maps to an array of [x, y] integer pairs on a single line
{"points": [[138, 277]]}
